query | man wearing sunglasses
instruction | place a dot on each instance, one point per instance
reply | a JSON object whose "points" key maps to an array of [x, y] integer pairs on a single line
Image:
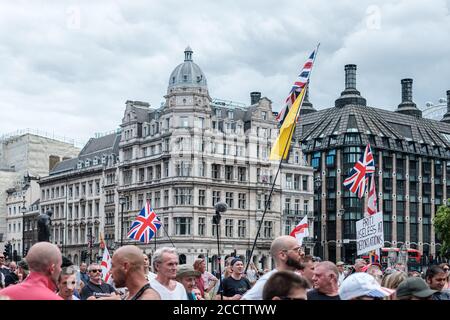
{"points": [[288, 256], [96, 287]]}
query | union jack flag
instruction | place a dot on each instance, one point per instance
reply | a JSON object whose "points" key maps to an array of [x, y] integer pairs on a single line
{"points": [[299, 84], [357, 180], [145, 226]]}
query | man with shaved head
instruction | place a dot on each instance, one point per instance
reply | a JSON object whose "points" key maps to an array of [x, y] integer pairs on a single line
{"points": [[325, 282], [288, 256], [128, 270], [44, 261]]}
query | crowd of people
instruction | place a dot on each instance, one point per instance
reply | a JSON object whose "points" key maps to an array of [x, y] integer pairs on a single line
{"points": [[46, 275]]}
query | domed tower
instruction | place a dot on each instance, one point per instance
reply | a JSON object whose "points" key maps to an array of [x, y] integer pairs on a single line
{"points": [[187, 84]]}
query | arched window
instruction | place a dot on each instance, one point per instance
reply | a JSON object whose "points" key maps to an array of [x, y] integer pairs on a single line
{"points": [[182, 259]]}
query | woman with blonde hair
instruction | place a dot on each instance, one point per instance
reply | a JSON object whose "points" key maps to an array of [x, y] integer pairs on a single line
{"points": [[393, 280]]}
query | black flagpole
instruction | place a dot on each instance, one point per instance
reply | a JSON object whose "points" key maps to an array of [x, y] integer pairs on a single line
{"points": [[288, 145]]}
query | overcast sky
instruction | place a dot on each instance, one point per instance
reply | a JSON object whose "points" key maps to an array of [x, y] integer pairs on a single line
{"points": [[67, 67]]}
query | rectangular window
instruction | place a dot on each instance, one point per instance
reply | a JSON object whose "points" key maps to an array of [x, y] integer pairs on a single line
{"points": [[242, 230], [215, 171], [242, 174], [201, 226], [184, 122], [242, 200], [183, 226], [201, 197], [216, 197], [183, 196], [229, 228], [228, 173], [166, 198], [268, 229], [157, 199], [229, 199]]}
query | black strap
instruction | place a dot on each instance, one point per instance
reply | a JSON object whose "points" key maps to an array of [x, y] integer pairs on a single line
{"points": [[141, 292]]}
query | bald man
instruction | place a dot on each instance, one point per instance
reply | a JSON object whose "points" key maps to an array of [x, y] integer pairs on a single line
{"points": [[288, 256], [44, 261], [325, 282], [128, 270]]}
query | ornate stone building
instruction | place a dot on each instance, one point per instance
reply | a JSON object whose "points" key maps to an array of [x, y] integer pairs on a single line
{"points": [[183, 157]]}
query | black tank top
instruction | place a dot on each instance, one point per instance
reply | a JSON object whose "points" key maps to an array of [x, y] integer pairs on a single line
{"points": [[141, 292]]}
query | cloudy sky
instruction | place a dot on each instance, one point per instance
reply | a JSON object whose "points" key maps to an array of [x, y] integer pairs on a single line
{"points": [[67, 67]]}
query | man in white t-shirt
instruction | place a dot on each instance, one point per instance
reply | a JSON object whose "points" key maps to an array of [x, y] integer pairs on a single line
{"points": [[288, 256], [165, 261]]}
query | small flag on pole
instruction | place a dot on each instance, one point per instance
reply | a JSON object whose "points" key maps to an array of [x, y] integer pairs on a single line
{"points": [[301, 230], [106, 266], [145, 226]]}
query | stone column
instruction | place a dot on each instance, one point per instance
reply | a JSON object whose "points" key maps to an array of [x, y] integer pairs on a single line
{"points": [[420, 209], [380, 180], [432, 232], [323, 202], [407, 220], [394, 198], [339, 205]]}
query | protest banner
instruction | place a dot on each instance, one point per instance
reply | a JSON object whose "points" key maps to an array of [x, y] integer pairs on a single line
{"points": [[369, 233]]}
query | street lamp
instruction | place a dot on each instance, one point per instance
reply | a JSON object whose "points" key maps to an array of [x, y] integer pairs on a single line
{"points": [[317, 187], [122, 201], [340, 214]]}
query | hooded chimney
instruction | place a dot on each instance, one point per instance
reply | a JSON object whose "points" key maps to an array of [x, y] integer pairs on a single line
{"points": [[446, 117], [408, 106], [350, 95], [255, 97]]}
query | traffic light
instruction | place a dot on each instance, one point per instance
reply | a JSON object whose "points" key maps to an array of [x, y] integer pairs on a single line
{"points": [[8, 250]]}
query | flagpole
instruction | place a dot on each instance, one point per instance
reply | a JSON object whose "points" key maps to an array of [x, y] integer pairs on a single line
{"points": [[156, 234], [279, 165], [165, 231]]}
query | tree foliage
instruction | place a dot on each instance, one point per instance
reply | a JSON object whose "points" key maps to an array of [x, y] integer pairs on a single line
{"points": [[442, 227]]}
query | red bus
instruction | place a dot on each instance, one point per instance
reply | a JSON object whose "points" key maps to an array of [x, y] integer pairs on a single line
{"points": [[414, 257]]}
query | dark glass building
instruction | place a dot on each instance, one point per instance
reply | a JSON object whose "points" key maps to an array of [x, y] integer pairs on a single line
{"points": [[412, 158]]}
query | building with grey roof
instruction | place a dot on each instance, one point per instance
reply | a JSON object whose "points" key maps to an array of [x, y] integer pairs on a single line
{"points": [[412, 180]]}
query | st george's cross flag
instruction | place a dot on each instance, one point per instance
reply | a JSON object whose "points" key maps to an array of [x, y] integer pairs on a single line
{"points": [[360, 173], [106, 266], [301, 230], [145, 226]]}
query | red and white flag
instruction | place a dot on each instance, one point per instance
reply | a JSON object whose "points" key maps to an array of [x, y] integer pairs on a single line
{"points": [[372, 199], [301, 230], [106, 266]]}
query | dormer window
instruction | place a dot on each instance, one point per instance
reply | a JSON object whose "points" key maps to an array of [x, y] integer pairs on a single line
{"points": [[80, 165], [264, 115], [95, 161], [185, 78], [104, 159], [87, 163], [218, 113], [173, 79]]}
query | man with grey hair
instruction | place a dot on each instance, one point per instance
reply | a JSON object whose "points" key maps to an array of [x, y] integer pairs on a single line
{"points": [[288, 256], [165, 262], [325, 282], [44, 260]]}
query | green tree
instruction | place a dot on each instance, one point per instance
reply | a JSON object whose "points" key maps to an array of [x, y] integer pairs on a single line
{"points": [[442, 227]]}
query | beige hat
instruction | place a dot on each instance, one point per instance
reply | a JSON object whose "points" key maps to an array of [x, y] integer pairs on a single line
{"points": [[185, 270], [340, 263]]}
